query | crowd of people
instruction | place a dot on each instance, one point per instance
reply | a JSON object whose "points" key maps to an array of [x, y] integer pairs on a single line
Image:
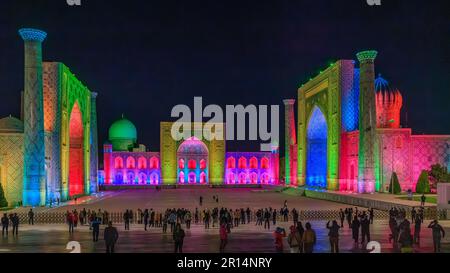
{"points": [[300, 239]]}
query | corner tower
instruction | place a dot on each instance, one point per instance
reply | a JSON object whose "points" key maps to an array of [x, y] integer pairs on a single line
{"points": [[34, 192], [367, 155]]}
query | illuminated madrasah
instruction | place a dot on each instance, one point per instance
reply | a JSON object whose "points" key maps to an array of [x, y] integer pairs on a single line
{"points": [[50, 153]]}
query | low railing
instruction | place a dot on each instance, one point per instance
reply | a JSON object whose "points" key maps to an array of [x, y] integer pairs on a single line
{"points": [[304, 215]]}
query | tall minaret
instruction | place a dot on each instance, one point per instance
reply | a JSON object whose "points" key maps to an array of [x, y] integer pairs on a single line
{"points": [[94, 145], [367, 123], [290, 143], [34, 190]]}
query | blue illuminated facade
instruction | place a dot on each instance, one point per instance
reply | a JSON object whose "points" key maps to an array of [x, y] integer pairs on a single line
{"points": [[316, 165]]}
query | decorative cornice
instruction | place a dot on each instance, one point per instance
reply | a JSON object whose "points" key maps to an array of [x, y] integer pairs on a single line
{"points": [[31, 34], [368, 55]]}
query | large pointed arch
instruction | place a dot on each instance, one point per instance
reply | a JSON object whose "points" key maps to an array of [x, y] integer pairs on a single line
{"points": [[316, 149]]}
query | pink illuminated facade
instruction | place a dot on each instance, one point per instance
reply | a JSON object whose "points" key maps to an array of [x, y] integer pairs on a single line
{"points": [[194, 161]]}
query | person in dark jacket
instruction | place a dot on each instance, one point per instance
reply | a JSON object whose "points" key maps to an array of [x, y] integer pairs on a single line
{"points": [[31, 217], [95, 229], [300, 230], [178, 238], [146, 216], [355, 229], [333, 234], [15, 224], [342, 217], [110, 236], [437, 231], [5, 224], [365, 230]]}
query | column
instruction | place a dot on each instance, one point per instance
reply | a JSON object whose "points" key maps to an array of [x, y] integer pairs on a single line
{"points": [[290, 141], [368, 148], [94, 145], [34, 191]]}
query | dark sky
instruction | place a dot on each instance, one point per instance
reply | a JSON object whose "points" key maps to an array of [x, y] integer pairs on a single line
{"points": [[143, 57]]}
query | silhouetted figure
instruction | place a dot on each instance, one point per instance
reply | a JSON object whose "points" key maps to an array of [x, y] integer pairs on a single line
{"points": [[15, 223], [223, 237], [438, 233], [342, 217], [178, 238], [422, 200], [126, 219], [95, 229], [355, 229], [110, 236], [417, 228], [365, 230], [333, 235], [201, 201], [5, 225], [31, 217]]}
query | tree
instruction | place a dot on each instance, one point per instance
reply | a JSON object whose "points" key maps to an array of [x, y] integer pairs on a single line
{"points": [[438, 174], [423, 184], [394, 185], [3, 202]]}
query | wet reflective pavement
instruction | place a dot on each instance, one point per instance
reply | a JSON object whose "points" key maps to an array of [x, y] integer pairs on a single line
{"points": [[245, 238]]}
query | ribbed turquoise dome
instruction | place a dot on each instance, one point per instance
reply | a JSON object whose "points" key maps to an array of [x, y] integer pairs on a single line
{"points": [[122, 129]]}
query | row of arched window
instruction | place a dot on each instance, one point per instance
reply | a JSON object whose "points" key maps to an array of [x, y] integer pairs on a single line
{"points": [[192, 164], [245, 178], [242, 163], [130, 163], [192, 178], [140, 179]]}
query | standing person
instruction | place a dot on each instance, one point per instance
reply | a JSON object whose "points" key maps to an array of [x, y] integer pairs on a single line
{"points": [[196, 216], [417, 228], [355, 229], [438, 234], [309, 238], [279, 234], [178, 238], [5, 225], [404, 237], [145, 217], [365, 230], [371, 215], [301, 230], [201, 201], [223, 237], [75, 218], [333, 234], [294, 240], [31, 217], [126, 219], [422, 200], [95, 229], [266, 219], [110, 236], [69, 219], [349, 218], [342, 217], [164, 222], [274, 217], [413, 214], [15, 223], [188, 219]]}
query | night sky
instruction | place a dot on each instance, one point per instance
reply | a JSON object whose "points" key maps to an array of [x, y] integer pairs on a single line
{"points": [[143, 57]]}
